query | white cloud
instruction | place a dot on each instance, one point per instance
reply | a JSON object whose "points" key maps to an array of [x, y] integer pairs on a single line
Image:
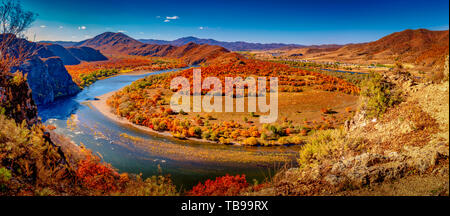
{"points": [[201, 27], [43, 26], [173, 17], [122, 31], [61, 27], [166, 20], [81, 27], [157, 17]]}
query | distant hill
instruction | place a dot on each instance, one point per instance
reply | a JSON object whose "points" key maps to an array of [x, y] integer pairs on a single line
{"points": [[119, 43], [86, 54], [61, 43], [420, 47], [74, 55], [63, 53], [233, 46]]}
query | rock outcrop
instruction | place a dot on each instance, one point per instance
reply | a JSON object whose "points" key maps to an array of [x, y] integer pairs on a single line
{"points": [[45, 72], [48, 79]]}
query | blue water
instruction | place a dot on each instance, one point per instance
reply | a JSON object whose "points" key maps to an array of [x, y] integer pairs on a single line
{"points": [[342, 71], [102, 136], [63, 108]]}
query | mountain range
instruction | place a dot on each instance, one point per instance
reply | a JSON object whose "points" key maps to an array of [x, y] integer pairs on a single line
{"points": [[232, 46], [421, 47], [121, 44]]}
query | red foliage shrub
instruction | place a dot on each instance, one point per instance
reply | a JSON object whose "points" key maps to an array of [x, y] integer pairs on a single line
{"points": [[223, 186], [99, 176]]}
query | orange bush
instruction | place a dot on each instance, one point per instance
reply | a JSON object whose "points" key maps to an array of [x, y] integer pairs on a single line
{"points": [[223, 186], [99, 176]]}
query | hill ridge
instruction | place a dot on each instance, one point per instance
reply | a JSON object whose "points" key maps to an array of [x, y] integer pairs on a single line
{"points": [[122, 44]]}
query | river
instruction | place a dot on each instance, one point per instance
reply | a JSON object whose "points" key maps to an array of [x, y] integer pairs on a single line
{"points": [[187, 162]]}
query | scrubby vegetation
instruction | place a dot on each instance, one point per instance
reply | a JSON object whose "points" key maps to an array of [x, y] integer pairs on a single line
{"points": [[380, 95], [319, 146], [31, 164], [370, 154], [145, 102], [221, 186], [302, 64], [355, 78], [88, 79], [86, 73], [438, 76], [28, 159]]}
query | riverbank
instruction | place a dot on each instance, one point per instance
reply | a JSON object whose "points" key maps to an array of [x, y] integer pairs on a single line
{"points": [[106, 111]]}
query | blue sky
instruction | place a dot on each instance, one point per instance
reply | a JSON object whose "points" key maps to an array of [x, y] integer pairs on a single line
{"points": [[301, 22]]}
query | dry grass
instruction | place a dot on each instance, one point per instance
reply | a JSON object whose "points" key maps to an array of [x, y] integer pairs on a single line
{"points": [[295, 107]]}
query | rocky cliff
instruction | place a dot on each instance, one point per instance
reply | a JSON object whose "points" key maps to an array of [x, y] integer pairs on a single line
{"points": [[48, 79], [46, 74]]}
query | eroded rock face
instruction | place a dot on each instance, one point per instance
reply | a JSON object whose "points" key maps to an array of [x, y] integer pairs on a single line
{"points": [[45, 71], [48, 79]]}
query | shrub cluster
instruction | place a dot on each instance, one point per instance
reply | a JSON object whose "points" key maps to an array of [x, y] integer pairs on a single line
{"points": [[223, 186], [379, 95]]}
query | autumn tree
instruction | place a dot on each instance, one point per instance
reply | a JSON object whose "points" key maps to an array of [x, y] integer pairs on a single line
{"points": [[15, 94]]}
